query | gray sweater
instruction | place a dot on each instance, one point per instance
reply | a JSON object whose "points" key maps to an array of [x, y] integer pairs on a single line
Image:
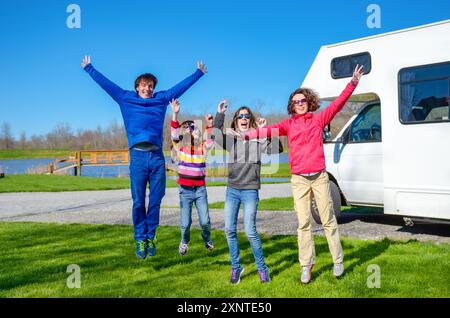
{"points": [[244, 160]]}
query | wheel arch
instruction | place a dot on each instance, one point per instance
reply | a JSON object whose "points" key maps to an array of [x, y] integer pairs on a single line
{"points": [[343, 199]]}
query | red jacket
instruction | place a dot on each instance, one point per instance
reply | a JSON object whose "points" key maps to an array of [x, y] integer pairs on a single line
{"points": [[305, 134]]}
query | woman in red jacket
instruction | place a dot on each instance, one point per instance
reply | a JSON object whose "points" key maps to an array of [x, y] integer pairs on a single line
{"points": [[307, 160]]}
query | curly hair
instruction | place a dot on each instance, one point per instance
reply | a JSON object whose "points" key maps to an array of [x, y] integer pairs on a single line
{"points": [[236, 115], [311, 96]]}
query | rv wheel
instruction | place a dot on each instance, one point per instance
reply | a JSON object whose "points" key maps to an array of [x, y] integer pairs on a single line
{"points": [[335, 196]]}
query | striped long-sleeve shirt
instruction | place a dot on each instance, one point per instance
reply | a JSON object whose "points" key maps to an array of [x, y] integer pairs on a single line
{"points": [[191, 161]]}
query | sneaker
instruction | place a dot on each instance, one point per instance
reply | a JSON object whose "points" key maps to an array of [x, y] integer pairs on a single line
{"points": [[264, 276], [236, 275], [338, 270], [141, 249], [209, 245], [306, 274], [183, 248], [151, 246]]}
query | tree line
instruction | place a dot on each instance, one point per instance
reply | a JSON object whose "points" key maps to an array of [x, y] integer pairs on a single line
{"points": [[62, 136]]}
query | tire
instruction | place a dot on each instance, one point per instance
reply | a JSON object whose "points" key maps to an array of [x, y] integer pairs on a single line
{"points": [[335, 196]]}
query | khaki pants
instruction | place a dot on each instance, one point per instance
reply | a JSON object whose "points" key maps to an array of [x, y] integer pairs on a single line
{"points": [[302, 189]]}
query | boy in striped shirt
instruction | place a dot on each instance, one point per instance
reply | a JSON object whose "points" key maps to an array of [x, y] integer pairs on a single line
{"points": [[190, 152]]}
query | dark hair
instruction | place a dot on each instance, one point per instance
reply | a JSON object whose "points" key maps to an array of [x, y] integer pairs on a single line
{"points": [[236, 115], [311, 96], [185, 125], [146, 77]]}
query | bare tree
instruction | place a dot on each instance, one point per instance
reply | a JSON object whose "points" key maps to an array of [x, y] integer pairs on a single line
{"points": [[6, 137], [38, 142], [60, 137], [257, 107], [23, 140]]}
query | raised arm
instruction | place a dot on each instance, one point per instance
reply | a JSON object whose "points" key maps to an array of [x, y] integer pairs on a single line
{"points": [[327, 115], [278, 129], [271, 145], [209, 139], [220, 115], [222, 139], [179, 89], [208, 136], [111, 88], [174, 125]]}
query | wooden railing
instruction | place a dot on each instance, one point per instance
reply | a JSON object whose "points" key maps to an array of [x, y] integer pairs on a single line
{"points": [[86, 158], [90, 158]]}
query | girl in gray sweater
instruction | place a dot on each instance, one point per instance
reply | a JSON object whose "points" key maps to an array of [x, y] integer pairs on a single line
{"points": [[244, 173]]}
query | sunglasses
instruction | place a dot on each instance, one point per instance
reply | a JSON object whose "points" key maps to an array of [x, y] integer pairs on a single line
{"points": [[210, 118], [246, 116], [191, 126], [299, 102]]}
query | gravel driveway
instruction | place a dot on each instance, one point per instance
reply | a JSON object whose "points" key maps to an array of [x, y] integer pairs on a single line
{"points": [[114, 207]]}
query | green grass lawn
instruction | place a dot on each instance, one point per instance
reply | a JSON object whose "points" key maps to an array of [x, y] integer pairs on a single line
{"points": [[35, 257], [287, 204], [40, 153], [57, 183], [54, 183], [282, 171], [34, 153]]}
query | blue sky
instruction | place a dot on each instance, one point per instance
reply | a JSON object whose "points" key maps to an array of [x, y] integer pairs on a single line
{"points": [[255, 51]]}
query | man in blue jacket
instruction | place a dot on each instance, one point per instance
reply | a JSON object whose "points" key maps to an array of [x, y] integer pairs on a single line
{"points": [[143, 112]]}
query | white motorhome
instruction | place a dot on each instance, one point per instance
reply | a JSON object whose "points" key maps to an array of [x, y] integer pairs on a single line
{"points": [[395, 151]]}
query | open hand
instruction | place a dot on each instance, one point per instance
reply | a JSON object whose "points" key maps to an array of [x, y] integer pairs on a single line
{"points": [[222, 107], [86, 61], [202, 67], [175, 104], [261, 122], [209, 120], [357, 73]]}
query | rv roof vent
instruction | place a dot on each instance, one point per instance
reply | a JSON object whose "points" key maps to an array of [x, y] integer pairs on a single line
{"points": [[344, 66]]}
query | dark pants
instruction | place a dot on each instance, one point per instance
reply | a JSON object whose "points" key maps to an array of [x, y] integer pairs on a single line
{"points": [[146, 167]]}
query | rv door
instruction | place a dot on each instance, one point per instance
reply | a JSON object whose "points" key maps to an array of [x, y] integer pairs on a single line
{"points": [[359, 158]]}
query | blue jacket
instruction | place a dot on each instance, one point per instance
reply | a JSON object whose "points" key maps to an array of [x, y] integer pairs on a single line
{"points": [[143, 118]]}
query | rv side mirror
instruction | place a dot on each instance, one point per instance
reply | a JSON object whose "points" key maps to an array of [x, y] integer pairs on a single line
{"points": [[326, 133]]}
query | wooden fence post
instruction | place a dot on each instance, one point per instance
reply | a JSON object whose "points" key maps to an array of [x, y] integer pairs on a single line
{"points": [[78, 167]]}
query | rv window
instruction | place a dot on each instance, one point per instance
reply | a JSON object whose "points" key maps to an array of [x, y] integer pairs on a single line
{"points": [[424, 94], [367, 126], [345, 65]]}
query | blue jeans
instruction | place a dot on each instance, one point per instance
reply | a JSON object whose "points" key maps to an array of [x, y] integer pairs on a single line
{"points": [[188, 196], [233, 200], [146, 167]]}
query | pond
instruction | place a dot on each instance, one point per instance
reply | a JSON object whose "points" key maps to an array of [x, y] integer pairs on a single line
{"points": [[32, 166]]}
